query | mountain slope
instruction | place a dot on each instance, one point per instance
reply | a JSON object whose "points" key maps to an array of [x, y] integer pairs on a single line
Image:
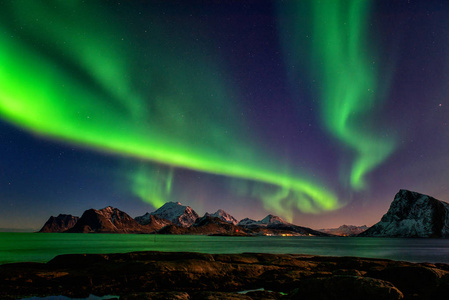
{"points": [[153, 222], [215, 225], [107, 220], [59, 224], [206, 225], [413, 215]]}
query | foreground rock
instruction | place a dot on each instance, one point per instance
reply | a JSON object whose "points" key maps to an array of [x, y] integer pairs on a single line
{"points": [[165, 275], [413, 214]]}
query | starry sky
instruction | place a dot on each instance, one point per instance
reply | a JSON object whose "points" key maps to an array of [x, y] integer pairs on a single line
{"points": [[316, 111]]}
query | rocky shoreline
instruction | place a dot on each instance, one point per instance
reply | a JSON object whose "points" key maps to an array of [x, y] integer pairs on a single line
{"points": [[185, 275]]}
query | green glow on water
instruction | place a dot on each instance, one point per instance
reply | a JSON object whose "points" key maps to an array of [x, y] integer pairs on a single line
{"points": [[41, 247]]}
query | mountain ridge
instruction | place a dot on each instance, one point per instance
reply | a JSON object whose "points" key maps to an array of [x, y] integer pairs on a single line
{"points": [[411, 214], [175, 218]]}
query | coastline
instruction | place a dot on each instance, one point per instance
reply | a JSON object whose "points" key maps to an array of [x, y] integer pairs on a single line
{"points": [[190, 275]]}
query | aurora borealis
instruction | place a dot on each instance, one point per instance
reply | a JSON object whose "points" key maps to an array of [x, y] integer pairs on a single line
{"points": [[311, 110], [342, 57]]}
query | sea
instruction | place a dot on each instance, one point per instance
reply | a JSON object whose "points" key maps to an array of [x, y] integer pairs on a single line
{"points": [[42, 247]]}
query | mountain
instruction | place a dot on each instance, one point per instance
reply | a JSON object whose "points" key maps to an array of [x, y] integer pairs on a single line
{"points": [[267, 221], [274, 225], [273, 220], [59, 224], [108, 220], [153, 222], [345, 230], [222, 215], [413, 215], [287, 229], [217, 226], [206, 225], [173, 218], [180, 215], [247, 222]]}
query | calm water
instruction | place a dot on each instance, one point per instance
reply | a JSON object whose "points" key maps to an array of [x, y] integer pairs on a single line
{"points": [[41, 247]]}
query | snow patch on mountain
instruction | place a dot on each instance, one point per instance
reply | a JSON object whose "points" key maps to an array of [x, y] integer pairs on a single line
{"points": [[272, 220]]}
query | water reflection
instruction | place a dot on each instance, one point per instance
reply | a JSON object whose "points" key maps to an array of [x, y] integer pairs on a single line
{"points": [[15, 247]]}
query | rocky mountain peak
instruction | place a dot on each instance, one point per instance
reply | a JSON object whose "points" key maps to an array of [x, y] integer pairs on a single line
{"points": [[267, 221], [247, 222], [221, 214], [412, 214], [272, 219], [408, 205], [107, 220], [177, 213], [60, 223]]}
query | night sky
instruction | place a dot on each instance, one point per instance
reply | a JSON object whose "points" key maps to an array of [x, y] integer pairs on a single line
{"points": [[316, 111]]}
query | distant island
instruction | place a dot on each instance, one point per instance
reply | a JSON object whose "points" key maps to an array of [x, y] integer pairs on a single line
{"points": [[411, 214]]}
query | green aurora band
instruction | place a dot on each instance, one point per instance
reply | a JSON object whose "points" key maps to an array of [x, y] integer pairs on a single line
{"points": [[341, 60], [152, 184], [67, 76]]}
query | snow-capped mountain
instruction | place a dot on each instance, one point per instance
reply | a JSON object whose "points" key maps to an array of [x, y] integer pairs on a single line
{"points": [[222, 215], [59, 224], [175, 212], [247, 222], [272, 220], [268, 220], [107, 220], [413, 215]]}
